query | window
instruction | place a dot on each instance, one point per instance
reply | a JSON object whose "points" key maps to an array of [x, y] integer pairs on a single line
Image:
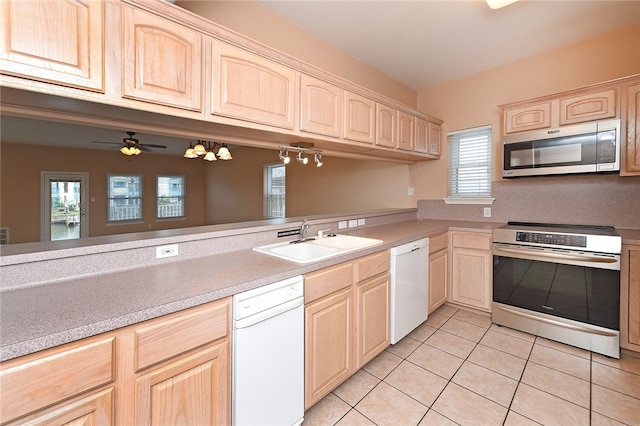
{"points": [[170, 199], [125, 197], [274, 190], [470, 166]]}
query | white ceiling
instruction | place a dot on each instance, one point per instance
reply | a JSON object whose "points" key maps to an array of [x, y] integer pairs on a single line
{"points": [[428, 42]]}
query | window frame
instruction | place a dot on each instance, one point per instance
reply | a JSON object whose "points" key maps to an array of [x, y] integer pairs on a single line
{"points": [[182, 197], [111, 198], [484, 190], [268, 193]]}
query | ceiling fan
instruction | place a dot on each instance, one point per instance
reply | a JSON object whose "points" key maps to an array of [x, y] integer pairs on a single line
{"points": [[132, 146]]}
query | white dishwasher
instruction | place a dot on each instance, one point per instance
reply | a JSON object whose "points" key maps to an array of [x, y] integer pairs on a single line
{"points": [[409, 287], [268, 355]]}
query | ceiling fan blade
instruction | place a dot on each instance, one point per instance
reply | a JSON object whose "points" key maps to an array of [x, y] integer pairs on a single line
{"points": [[110, 143], [144, 148], [150, 145]]}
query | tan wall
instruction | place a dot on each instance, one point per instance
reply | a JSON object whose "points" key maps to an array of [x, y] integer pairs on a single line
{"points": [[255, 21], [21, 181], [235, 190], [474, 101]]}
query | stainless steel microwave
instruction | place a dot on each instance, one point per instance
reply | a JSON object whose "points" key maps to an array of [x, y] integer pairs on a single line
{"points": [[581, 148]]}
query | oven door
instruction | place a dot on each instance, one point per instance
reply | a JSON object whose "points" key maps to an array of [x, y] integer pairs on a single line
{"points": [[579, 286]]}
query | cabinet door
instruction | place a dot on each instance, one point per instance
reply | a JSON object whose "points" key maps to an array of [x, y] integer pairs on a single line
{"points": [[29, 384], [359, 118], [328, 345], [406, 131], [162, 61], [421, 136], [320, 107], [435, 135], [372, 333], [529, 117], [630, 138], [630, 298], [437, 279], [190, 390], [95, 409], [249, 87], [55, 41], [471, 278], [594, 106], [386, 123]]}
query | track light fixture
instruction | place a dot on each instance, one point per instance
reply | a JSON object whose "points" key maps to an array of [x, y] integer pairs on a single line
{"points": [[284, 155], [206, 150], [302, 150]]}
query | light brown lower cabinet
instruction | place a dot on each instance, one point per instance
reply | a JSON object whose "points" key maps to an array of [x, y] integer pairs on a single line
{"points": [[471, 269], [346, 321], [174, 369], [438, 264], [630, 298]]}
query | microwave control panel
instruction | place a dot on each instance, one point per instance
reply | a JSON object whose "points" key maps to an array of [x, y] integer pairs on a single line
{"points": [[552, 239]]}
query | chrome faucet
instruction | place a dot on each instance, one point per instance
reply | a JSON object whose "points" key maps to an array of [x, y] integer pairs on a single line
{"points": [[304, 227]]}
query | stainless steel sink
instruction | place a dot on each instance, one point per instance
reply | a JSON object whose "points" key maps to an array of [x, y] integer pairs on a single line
{"points": [[317, 249]]}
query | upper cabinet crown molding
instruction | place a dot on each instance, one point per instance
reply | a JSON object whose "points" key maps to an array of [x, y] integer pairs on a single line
{"points": [[54, 41]]}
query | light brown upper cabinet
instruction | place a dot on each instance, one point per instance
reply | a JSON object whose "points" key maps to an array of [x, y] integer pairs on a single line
{"points": [[630, 133], [57, 41], [529, 117], [359, 118], [592, 106], [251, 88], [435, 136], [386, 124], [162, 60], [406, 131], [421, 142], [320, 107]]}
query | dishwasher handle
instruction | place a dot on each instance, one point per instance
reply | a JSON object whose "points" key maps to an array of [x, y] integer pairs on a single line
{"points": [[268, 313]]}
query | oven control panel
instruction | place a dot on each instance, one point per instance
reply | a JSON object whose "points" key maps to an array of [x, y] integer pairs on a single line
{"points": [[552, 239]]}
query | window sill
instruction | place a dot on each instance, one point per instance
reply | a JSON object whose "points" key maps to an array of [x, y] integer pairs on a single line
{"points": [[469, 200]]}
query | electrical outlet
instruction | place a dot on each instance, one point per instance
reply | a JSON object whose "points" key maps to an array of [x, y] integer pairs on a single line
{"points": [[342, 224], [361, 222], [487, 212], [411, 191], [166, 251], [353, 223]]}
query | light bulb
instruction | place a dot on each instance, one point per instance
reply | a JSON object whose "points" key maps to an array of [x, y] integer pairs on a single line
{"points": [[210, 156], [199, 149], [224, 154]]}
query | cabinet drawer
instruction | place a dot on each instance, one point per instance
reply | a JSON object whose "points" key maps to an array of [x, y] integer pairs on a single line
{"points": [[471, 240], [326, 281], [60, 374], [437, 243], [372, 265], [174, 334]]}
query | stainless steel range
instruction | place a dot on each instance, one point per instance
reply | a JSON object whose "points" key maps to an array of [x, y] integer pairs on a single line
{"points": [[561, 282]]}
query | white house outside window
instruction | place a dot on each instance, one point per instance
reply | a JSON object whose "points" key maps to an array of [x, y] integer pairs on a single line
{"points": [[469, 179], [170, 197], [125, 198]]}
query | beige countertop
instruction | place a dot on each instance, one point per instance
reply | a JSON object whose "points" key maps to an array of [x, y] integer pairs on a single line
{"points": [[43, 316]]}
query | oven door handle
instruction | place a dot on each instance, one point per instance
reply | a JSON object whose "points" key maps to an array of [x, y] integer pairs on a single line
{"points": [[540, 255], [557, 323]]}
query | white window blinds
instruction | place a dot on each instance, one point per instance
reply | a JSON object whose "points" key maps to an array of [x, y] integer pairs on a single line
{"points": [[470, 163]]}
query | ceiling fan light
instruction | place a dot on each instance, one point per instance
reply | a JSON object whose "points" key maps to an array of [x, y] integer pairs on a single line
{"points": [[189, 153], [134, 150], [497, 4], [199, 149], [224, 154], [125, 150], [210, 156]]}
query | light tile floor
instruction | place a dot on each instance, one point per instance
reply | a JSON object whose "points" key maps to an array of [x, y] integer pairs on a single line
{"points": [[458, 368]]}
